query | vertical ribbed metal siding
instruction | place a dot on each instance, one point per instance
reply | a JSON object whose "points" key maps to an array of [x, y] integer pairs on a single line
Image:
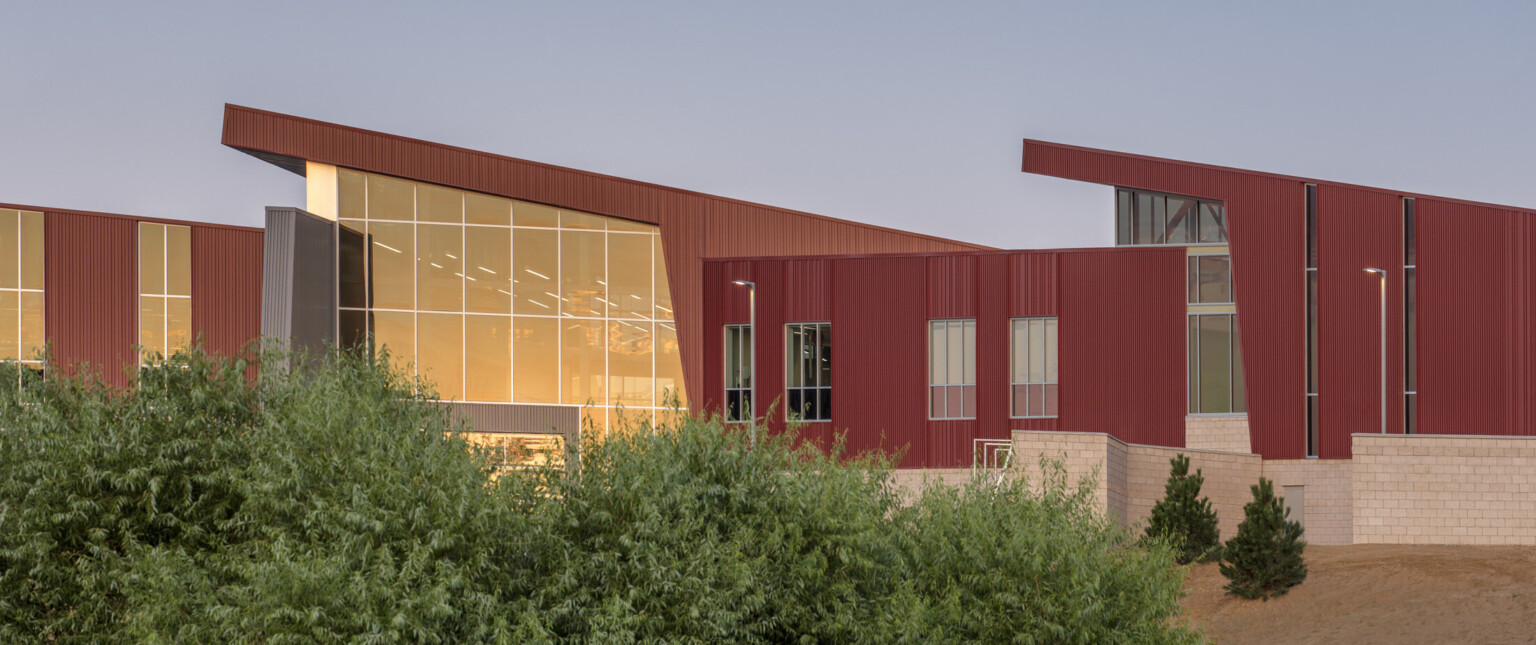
{"points": [[226, 288], [808, 291], [1120, 342], [1477, 319], [1357, 229], [1266, 227], [91, 300], [693, 225], [879, 328]]}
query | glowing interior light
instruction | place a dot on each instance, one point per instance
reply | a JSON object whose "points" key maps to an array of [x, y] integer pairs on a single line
{"points": [[437, 265], [451, 255], [378, 243], [539, 303], [507, 292], [486, 270], [537, 273]]}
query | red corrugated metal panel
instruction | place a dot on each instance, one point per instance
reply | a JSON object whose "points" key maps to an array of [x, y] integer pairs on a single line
{"points": [[880, 341], [1266, 226], [1477, 319], [952, 286], [949, 444], [994, 285], [1121, 344], [693, 225], [91, 299], [1033, 276], [226, 288], [807, 290], [1357, 229]]}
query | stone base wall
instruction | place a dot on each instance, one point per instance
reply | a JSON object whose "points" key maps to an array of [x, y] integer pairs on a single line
{"points": [[1444, 489], [1329, 511], [1227, 478], [1083, 454], [1227, 434]]}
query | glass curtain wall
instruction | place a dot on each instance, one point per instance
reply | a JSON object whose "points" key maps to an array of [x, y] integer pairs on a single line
{"points": [[165, 289], [21, 286], [502, 301]]}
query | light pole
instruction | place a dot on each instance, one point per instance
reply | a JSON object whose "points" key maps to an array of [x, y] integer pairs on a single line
{"points": [[752, 325], [1382, 273]]}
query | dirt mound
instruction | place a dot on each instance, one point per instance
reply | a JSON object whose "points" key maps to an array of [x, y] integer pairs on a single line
{"points": [[1369, 593]]}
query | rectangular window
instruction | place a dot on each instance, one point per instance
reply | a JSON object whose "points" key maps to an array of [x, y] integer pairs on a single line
{"points": [[165, 289], [952, 369], [1210, 279], [1215, 365], [1143, 217], [1311, 309], [1033, 357], [21, 286], [738, 373], [1410, 322], [808, 371]]}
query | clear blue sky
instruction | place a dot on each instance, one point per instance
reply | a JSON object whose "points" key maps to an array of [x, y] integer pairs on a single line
{"points": [[901, 114]]}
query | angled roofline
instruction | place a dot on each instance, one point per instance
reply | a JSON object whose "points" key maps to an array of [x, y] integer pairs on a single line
{"points": [[1031, 165], [282, 139], [935, 254]]}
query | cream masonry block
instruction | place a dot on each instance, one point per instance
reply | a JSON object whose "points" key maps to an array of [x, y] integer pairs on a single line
{"points": [[1328, 513], [909, 482], [1444, 489], [1225, 433]]}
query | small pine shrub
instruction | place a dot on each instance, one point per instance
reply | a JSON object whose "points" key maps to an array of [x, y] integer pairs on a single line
{"points": [[1264, 558], [1183, 518]]}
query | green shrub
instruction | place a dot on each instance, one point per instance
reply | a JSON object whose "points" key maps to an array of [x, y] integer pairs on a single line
{"points": [[1264, 559], [333, 503], [1183, 518]]}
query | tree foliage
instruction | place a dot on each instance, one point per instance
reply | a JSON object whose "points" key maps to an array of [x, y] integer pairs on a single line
{"points": [[1264, 559], [334, 504], [1182, 517]]}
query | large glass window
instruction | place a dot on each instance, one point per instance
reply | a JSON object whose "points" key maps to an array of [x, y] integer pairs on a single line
{"points": [[1033, 358], [165, 289], [952, 369], [499, 300], [738, 373], [808, 371], [1210, 279], [21, 286], [1410, 322], [1215, 365], [1310, 217], [1143, 217]]}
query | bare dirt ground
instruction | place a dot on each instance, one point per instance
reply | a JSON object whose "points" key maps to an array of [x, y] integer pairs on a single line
{"points": [[1366, 594]]}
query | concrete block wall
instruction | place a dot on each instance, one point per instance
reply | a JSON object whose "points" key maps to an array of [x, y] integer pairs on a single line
{"points": [[1084, 454], [1227, 434], [909, 481], [1444, 489], [1228, 477], [1329, 509]]}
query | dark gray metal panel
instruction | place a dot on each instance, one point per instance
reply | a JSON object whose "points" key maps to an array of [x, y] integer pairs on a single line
{"points": [[298, 295]]}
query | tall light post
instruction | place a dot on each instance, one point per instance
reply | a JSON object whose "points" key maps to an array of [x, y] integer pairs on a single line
{"points": [[1382, 273], [752, 321]]}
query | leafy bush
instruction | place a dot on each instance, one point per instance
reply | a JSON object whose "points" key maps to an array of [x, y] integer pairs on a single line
{"points": [[1264, 558], [1182, 517], [334, 504]]}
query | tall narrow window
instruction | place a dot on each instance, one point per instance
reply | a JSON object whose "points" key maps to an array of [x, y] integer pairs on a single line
{"points": [[1311, 307], [738, 373], [21, 286], [952, 369], [165, 289], [808, 371], [1410, 322], [1210, 279], [1215, 365], [1034, 387]]}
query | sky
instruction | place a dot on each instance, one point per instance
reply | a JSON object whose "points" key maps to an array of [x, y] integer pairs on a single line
{"points": [[908, 115]]}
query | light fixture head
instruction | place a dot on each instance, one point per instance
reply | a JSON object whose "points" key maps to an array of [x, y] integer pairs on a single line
{"points": [[744, 283], [1380, 272]]}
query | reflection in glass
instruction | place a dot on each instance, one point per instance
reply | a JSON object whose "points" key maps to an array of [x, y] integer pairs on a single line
{"points": [[33, 332], [151, 258], [438, 204], [485, 209], [440, 353], [535, 258], [582, 361], [390, 198], [488, 270], [395, 332], [488, 358], [629, 287], [178, 260], [32, 250], [662, 288], [577, 220], [439, 267], [391, 258], [10, 321], [583, 280], [669, 367], [529, 214], [178, 324], [629, 364], [10, 238], [151, 323], [351, 194], [352, 264], [536, 370]]}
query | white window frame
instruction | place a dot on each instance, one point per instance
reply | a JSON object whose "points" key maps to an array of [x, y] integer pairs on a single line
{"points": [[824, 338], [951, 381], [1018, 354]]}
